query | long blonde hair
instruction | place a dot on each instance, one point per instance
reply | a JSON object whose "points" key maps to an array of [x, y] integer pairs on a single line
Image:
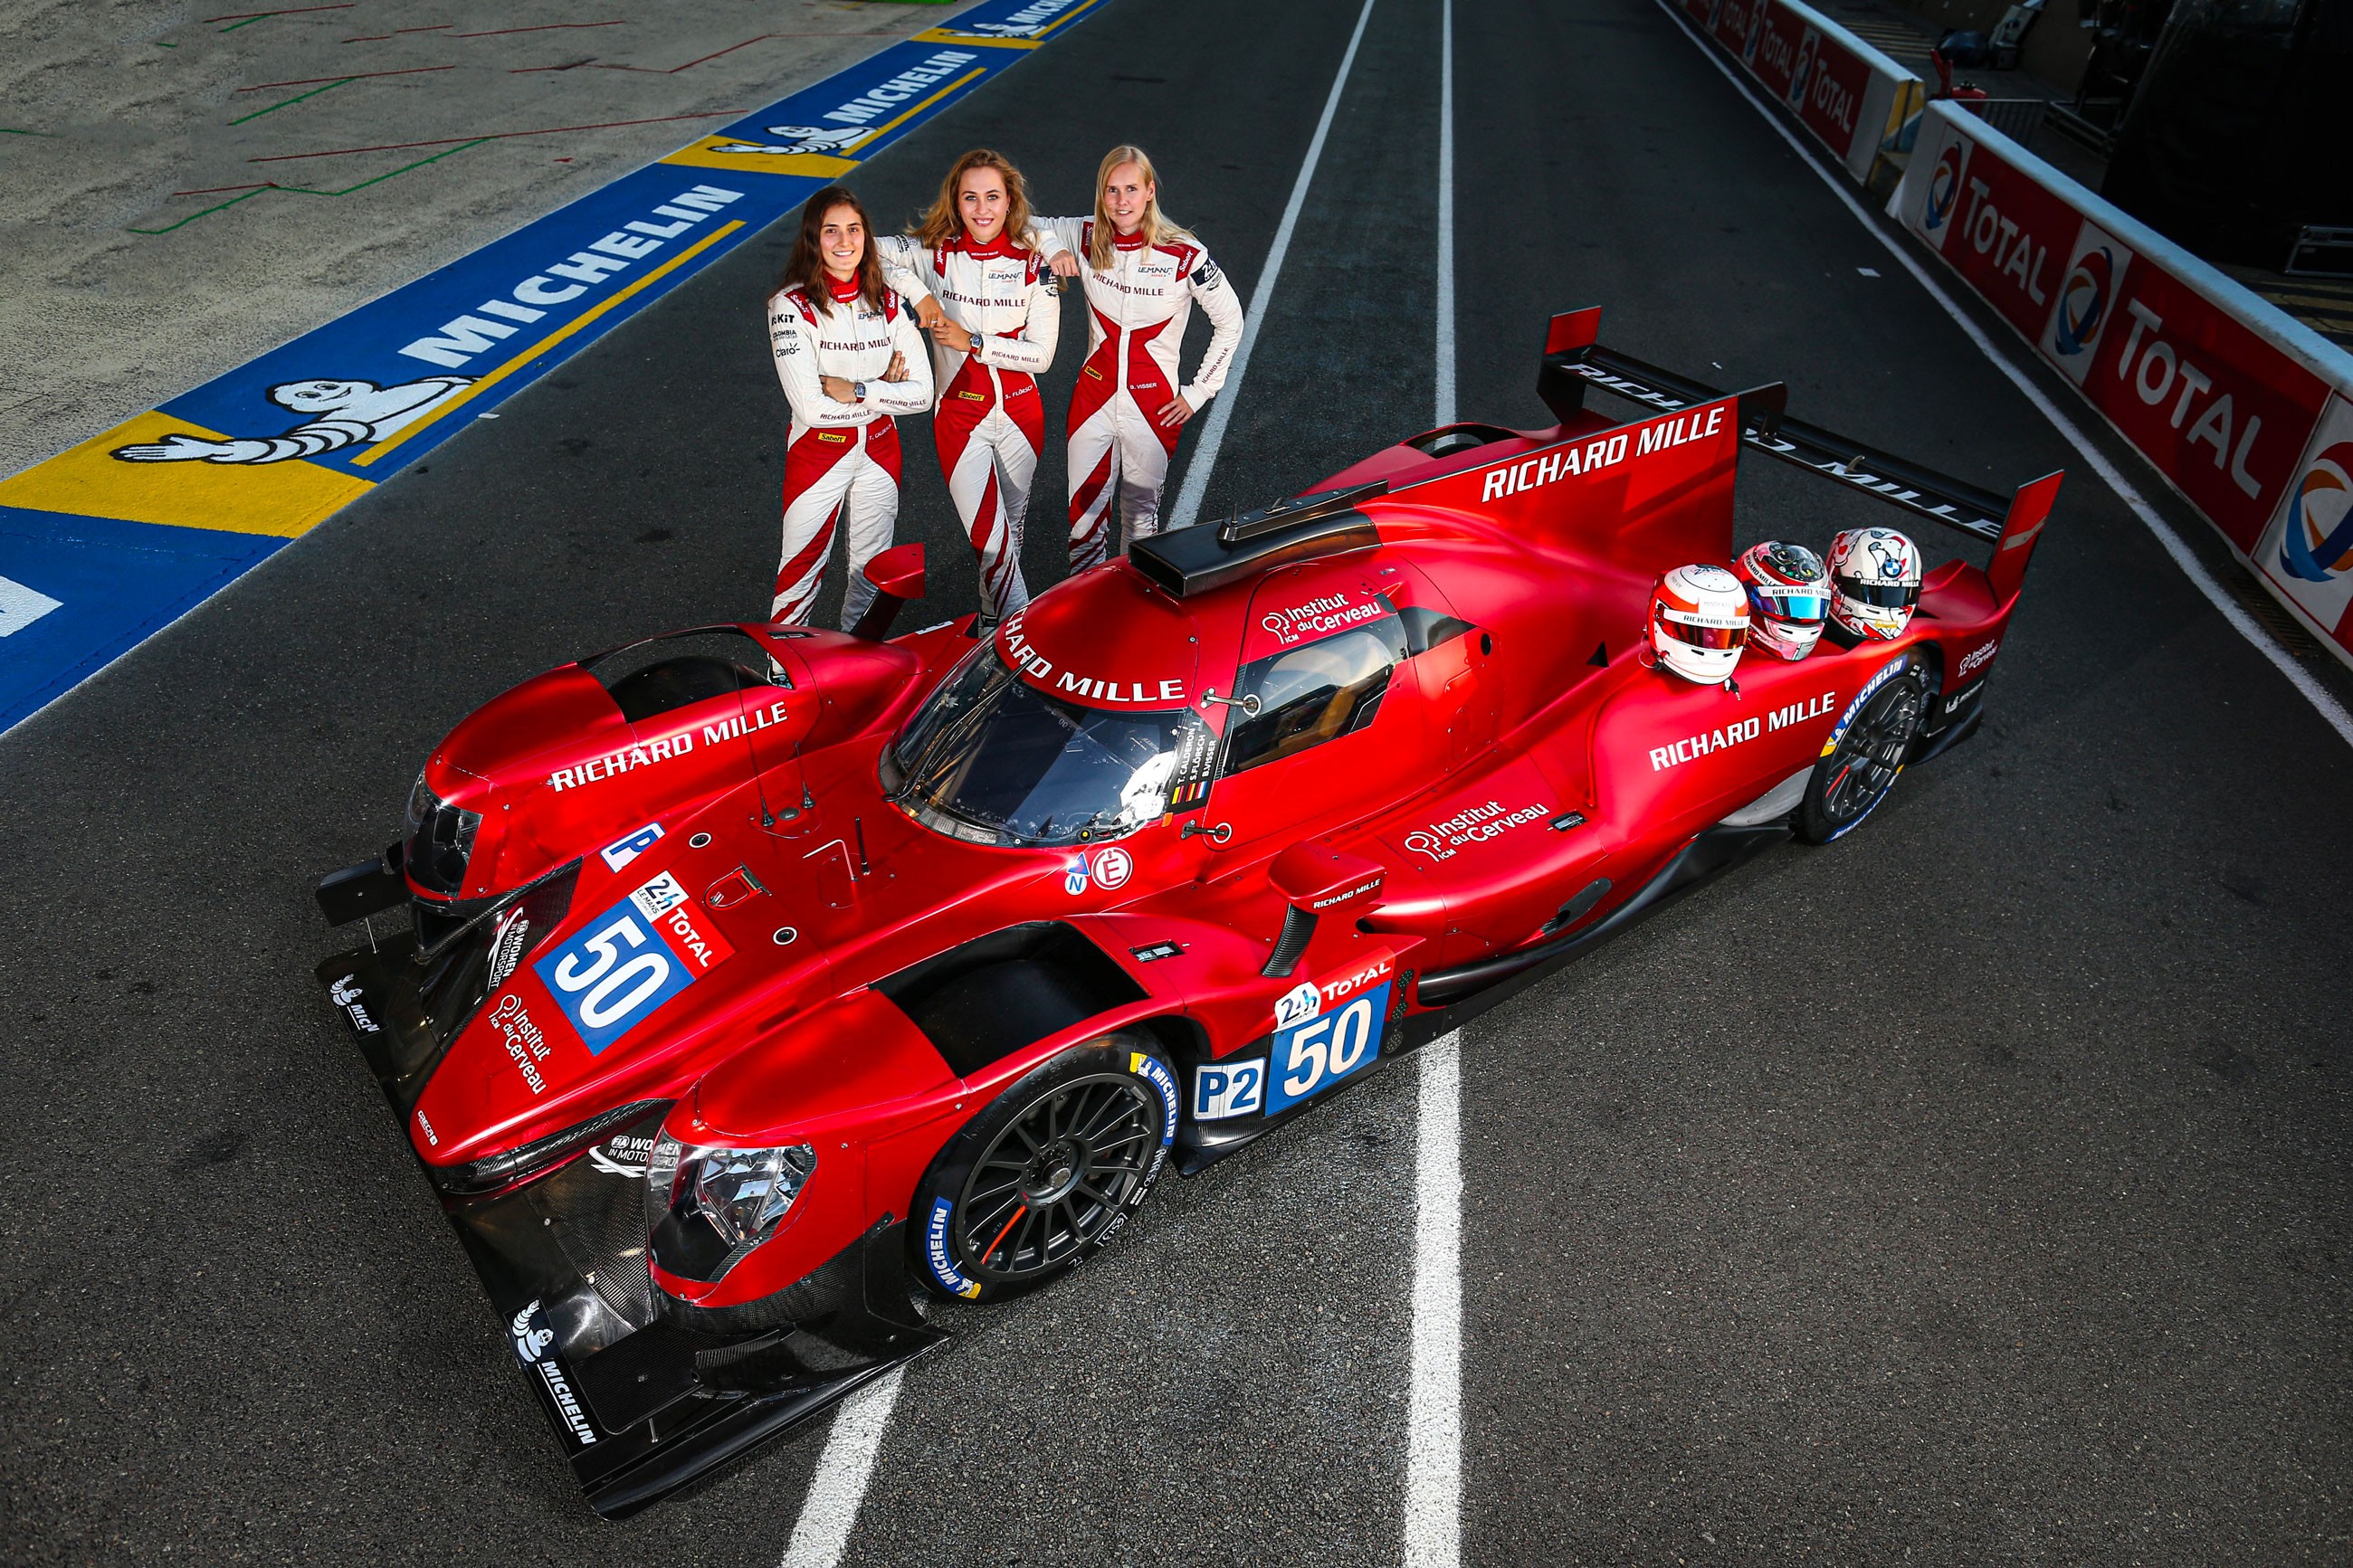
{"points": [[943, 223], [1158, 228]]}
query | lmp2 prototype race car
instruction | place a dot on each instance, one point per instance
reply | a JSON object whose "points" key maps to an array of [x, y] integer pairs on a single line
{"points": [[754, 969]]}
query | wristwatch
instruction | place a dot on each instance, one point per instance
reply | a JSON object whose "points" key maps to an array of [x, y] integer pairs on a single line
{"points": [[856, 391]]}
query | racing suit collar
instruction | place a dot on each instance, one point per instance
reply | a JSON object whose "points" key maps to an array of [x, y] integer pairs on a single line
{"points": [[842, 292], [1000, 245]]}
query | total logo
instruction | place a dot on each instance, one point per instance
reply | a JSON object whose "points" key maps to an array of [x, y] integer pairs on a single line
{"points": [[1944, 187], [2084, 296], [2317, 543], [1109, 869]]}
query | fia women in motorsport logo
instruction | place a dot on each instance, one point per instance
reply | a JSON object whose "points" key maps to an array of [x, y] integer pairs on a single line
{"points": [[2318, 540], [2084, 301]]}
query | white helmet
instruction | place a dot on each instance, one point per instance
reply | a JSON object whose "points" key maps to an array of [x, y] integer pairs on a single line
{"points": [[1699, 622], [1874, 581], [1789, 594]]}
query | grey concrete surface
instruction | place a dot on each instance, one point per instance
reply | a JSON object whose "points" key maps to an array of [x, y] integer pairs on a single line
{"points": [[1972, 1190], [125, 280]]}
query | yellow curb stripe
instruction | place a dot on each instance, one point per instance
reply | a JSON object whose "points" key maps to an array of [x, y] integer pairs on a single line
{"points": [[547, 343]]}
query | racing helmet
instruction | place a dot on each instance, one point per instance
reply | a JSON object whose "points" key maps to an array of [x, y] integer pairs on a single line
{"points": [[1699, 623], [1789, 594], [1874, 581]]}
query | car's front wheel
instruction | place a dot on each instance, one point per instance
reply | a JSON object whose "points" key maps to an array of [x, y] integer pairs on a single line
{"points": [[1047, 1173], [1850, 783]]}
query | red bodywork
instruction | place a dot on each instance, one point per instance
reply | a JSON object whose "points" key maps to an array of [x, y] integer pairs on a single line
{"points": [[1510, 766]]}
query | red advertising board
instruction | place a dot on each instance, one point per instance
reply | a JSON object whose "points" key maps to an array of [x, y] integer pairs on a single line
{"points": [[1829, 88], [2002, 231], [2220, 411], [1736, 23], [1777, 43]]}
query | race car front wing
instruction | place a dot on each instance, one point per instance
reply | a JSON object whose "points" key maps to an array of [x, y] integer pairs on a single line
{"points": [[644, 1393]]}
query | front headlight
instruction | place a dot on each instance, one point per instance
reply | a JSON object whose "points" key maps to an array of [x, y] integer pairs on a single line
{"points": [[712, 1204], [440, 840]]}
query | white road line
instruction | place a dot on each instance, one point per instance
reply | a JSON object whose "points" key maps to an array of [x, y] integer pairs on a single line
{"points": [[1433, 1469], [1205, 455], [2331, 711], [830, 1509], [1445, 407]]}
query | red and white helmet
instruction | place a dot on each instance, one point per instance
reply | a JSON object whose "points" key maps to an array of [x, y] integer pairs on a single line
{"points": [[1788, 596], [1874, 581], [1699, 623]]}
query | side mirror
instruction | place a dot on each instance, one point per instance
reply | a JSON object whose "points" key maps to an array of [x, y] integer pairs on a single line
{"points": [[897, 574], [1315, 877]]}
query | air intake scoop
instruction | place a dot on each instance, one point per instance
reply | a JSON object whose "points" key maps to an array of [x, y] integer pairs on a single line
{"points": [[1195, 560]]}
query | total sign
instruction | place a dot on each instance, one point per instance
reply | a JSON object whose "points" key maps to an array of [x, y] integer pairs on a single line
{"points": [[623, 964], [2220, 409], [2308, 549]]}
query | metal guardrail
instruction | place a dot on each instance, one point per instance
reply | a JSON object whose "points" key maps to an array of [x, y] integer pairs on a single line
{"points": [[2016, 118]]}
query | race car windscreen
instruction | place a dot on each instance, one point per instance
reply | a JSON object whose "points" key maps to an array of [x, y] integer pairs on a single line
{"points": [[992, 759]]}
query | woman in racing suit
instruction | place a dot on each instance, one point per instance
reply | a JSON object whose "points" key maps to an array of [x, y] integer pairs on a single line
{"points": [[1143, 276], [850, 357], [983, 294]]}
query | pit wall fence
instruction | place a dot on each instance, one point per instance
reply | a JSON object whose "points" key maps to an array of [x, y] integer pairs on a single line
{"points": [[2245, 411]]}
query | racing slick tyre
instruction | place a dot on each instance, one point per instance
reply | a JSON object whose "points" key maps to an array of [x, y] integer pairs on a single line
{"points": [[1047, 1173], [1850, 783]]}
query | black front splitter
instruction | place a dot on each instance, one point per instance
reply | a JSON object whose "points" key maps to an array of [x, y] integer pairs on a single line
{"points": [[645, 1393]]}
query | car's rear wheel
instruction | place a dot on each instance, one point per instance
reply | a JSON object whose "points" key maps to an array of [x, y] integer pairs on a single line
{"points": [[1849, 783], [1048, 1173]]}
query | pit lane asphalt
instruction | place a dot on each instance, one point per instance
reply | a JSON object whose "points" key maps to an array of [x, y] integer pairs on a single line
{"points": [[1974, 1189]]}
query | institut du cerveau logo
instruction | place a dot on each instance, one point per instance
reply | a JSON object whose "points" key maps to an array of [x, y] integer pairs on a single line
{"points": [[1943, 195], [2085, 299]]}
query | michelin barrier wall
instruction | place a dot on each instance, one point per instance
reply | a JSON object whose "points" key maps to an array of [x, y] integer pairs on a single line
{"points": [[1854, 100], [107, 542], [2246, 412]]}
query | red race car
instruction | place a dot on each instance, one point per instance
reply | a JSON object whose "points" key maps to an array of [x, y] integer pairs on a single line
{"points": [[751, 969]]}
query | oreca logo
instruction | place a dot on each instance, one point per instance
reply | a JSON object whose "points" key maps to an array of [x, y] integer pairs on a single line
{"points": [[2318, 542], [1944, 187], [2084, 301]]}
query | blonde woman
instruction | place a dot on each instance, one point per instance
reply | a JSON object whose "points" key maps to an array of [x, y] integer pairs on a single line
{"points": [[984, 296], [1143, 275]]}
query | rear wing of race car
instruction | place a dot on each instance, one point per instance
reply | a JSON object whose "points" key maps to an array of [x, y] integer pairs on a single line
{"points": [[1574, 360]]}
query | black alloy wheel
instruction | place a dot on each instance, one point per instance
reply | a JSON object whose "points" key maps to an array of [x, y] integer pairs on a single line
{"points": [[1850, 783], [1046, 1174]]}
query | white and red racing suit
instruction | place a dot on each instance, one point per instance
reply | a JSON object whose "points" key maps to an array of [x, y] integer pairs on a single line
{"points": [[841, 462], [990, 421], [1136, 313]]}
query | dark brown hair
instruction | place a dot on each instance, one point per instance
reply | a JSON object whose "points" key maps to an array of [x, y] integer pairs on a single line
{"points": [[944, 222], [806, 267]]}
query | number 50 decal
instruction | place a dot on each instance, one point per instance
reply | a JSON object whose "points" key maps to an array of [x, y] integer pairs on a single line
{"points": [[611, 975], [1313, 1055]]}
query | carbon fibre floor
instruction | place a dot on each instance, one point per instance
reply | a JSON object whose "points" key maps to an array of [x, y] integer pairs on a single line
{"points": [[1975, 1189]]}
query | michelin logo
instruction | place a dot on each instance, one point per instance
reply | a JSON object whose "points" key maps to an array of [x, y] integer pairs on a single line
{"points": [[533, 1345], [342, 414], [797, 139], [936, 1252]]}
